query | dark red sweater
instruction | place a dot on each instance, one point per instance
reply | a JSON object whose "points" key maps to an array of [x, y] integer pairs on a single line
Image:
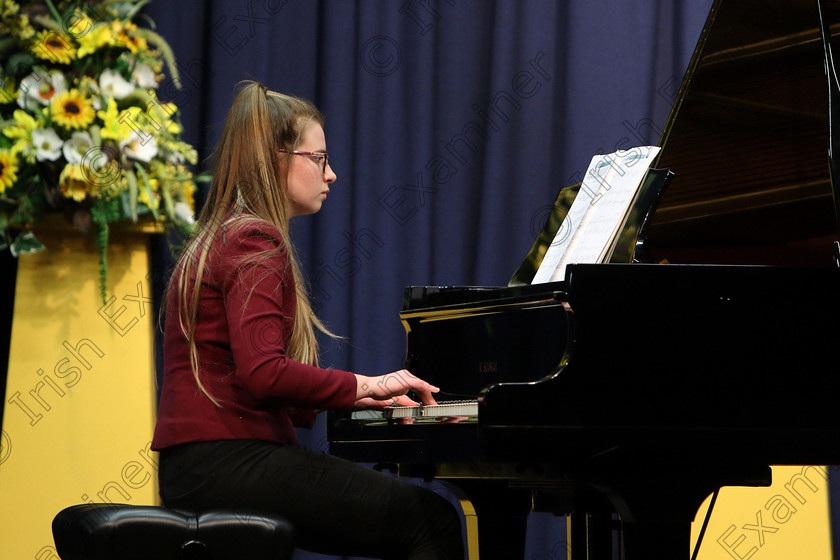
{"points": [[241, 342]]}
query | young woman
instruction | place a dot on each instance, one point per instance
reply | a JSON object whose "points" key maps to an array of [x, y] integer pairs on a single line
{"points": [[241, 365]]}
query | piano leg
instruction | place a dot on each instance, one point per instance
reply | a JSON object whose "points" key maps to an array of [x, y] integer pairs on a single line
{"points": [[590, 536], [656, 514], [655, 518], [501, 513]]}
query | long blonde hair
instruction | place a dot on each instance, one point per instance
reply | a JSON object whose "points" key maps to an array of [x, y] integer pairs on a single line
{"points": [[248, 184]]}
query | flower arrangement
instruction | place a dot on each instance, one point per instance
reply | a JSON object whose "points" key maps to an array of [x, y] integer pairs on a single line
{"points": [[82, 130]]}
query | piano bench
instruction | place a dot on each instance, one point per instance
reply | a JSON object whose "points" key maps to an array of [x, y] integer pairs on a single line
{"points": [[127, 532]]}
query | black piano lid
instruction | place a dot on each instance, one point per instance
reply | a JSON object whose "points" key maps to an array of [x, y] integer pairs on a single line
{"points": [[748, 140]]}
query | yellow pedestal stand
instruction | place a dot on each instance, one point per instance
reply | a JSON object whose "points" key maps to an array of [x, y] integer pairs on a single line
{"points": [[80, 398], [789, 519]]}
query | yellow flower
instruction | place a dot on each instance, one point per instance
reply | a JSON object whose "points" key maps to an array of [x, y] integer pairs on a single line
{"points": [[23, 127], [12, 22], [24, 28], [126, 37], [161, 113], [143, 194], [71, 109], [176, 179], [52, 46], [98, 37], [114, 128], [8, 170], [21, 133], [73, 182], [10, 8], [188, 192], [90, 36], [79, 25]]}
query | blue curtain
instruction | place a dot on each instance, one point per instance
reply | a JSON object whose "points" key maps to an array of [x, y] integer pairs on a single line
{"points": [[451, 125]]}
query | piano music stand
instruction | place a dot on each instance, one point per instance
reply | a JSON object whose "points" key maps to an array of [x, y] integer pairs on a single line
{"points": [[630, 245]]}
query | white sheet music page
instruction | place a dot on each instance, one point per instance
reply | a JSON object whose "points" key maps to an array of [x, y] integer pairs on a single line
{"points": [[598, 212]]}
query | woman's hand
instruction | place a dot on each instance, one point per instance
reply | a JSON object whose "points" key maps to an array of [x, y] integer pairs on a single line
{"points": [[390, 389]]}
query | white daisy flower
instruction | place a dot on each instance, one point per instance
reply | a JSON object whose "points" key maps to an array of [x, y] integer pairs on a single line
{"points": [[41, 88], [144, 76], [139, 148], [114, 85], [183, 212], [174, 157], [47, 144], [77, 146]]}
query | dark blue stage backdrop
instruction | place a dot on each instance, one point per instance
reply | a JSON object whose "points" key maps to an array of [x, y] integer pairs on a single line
{"points": [[451, 125]]}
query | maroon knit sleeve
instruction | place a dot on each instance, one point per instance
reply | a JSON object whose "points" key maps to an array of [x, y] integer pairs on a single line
{"points": [[260, 298]]}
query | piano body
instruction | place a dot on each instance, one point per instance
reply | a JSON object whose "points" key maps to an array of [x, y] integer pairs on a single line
{"points": [[627, 393]]}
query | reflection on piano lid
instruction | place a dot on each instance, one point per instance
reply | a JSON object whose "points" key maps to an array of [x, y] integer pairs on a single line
{"points": [[747, 138]]}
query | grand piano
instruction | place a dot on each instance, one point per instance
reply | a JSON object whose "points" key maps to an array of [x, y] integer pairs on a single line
{"points": [[628, 392]]}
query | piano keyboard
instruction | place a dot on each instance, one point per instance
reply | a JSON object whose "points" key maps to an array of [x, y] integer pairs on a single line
{"points": [[440, 410]]}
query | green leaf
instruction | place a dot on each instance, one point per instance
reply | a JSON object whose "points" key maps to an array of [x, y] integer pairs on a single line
{"points": [[53, 11], [148, 186], [25, 243], [20, 63], [55, 24], [137, 7], [99, 212], [131, 179], [148, 20], [203, 177], [8, 42], [168, 205], [95, 135]]}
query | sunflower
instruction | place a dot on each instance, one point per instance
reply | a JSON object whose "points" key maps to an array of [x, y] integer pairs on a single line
{"points": [[8, 170], [126, 36], [49, 45], [71, 109]]}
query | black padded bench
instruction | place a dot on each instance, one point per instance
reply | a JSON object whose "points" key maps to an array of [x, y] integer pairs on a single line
{"points": [[127, 532]]}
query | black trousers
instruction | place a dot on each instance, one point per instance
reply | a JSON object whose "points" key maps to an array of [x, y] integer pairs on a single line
{"points": [[337, 507]]}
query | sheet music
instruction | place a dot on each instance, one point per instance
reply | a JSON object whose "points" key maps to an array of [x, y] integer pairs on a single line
{"points": [[598, 212]]}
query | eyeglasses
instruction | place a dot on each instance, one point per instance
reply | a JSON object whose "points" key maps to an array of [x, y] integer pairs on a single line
{"points": [[318, 157]]}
